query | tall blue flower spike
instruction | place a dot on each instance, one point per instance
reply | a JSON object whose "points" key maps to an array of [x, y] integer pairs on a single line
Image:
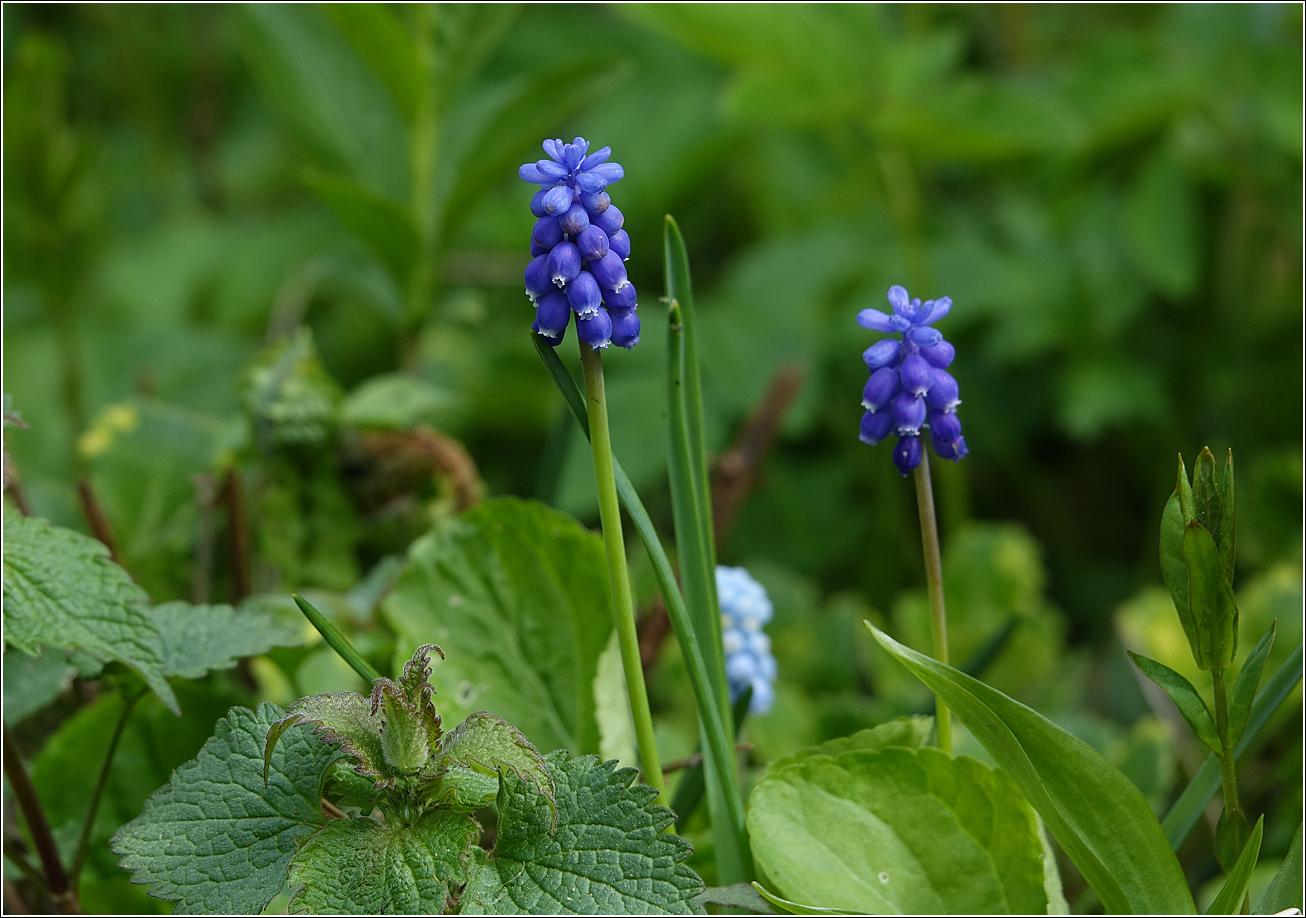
{"points": [[578, 248], [745, 609], [910, 387]]}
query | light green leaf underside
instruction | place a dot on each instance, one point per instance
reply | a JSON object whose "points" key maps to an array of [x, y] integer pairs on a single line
{"points": [[607, 855], [517, 595], [898, 831], [345, 721], [910, 732], [361, 867], [1095, 812], [62, 591], [215, 839], [199, 639]]}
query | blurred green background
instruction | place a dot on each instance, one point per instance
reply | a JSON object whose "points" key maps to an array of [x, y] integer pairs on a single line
{"points": [[1111, 195]]}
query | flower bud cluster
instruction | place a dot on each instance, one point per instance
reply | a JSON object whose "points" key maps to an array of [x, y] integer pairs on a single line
{"points": [[578, 248], [745, 609], [910, 389]]}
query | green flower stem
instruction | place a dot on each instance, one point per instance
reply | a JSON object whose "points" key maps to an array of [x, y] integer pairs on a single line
{"points": [[1228, 775], [62, 895], [84, 841], [934, 582], [623, 604], [338, 642]]}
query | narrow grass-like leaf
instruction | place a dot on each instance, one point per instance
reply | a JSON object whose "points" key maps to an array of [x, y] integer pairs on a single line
{"points": [[1185, 697], [716, 734], [1205, 784], [1285, 890], [1244, 687], [337, 641], [1101, 820], [689, 792], [1229, 901], [795, 908]]}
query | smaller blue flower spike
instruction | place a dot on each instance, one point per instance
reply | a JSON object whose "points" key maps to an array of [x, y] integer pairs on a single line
{"points": [[745, 609], [578, 248], [909, 390]]}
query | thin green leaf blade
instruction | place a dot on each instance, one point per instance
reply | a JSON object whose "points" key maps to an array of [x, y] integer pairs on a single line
{"points": [[1244, 687], [1229, 901], [1174, 569], [1285, 890], [1185, 697], [1224, 540], [1099, 817], [216, 838], [795, 908], [1188, 809]]}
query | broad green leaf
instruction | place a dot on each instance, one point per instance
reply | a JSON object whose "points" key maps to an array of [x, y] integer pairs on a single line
{"points": [[607, 854], [795, 908], [361, 867], [1098, 816], [1185, 697], [1188, 809], [382, 223], [898, 831], [30, 683], [1230, 899], [344, 720], [61, 591], [1285, 890], [395, 401], [217, 838], [1244, 687], [516, 594], [200, 639], [909, 732], [1174, 568], [484, 741], [1215, 615]]}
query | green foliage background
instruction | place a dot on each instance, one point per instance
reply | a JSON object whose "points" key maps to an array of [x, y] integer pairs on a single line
{"points": [[1110, 195]]}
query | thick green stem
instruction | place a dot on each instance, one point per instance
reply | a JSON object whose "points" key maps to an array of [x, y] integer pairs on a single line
{"points": [[1228, 775], [623, 604], [84, 842], [934, 582]]}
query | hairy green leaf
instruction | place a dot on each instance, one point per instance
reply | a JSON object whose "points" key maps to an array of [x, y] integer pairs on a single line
{"points": [[217, 837], [607, 854], [1185, 697], [1230, 898], [361, 867], [517, 594], [900, 831], [345, 720], [62, 591], [1285, 890], [1101, 820], [1215, 615], [199, 639], [1244, 687], [30, 683], [491, 743], [911, 732]]}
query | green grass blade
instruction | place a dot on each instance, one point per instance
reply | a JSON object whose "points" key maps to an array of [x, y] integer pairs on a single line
{"points": [[338, 642], [714, 726], [1229, 901], [1285, 890], [1206, 783], [689, 792]]}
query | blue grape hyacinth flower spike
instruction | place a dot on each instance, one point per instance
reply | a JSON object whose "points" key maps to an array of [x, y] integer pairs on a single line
{"points": [[910, 389], [578, 248], [745, 610]]}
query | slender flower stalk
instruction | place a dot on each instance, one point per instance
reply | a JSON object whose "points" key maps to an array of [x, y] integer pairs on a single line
{"points": [[934, 584], [623, 604], [910, 390]]}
